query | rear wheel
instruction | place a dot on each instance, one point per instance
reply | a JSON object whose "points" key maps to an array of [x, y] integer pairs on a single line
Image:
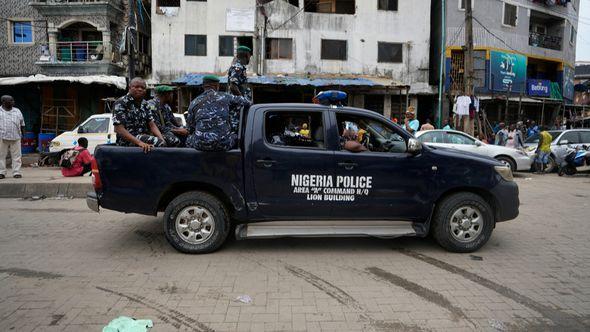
{"points": [[551, 165], [196, 223], [463, 222]]}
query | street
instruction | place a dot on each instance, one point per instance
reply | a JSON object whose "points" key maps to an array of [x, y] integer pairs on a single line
{"points": [[65, 268]]}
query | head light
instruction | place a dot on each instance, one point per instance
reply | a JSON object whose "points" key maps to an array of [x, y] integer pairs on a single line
{"points": [[55, 143], [504, 172]]}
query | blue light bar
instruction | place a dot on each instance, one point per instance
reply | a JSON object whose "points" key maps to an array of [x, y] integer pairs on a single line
{"points": [[331, 97]]}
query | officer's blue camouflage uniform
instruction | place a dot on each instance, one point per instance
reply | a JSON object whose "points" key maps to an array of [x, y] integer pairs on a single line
{"points": [[165, 120], [210, 123], [135, 119], [237, 75]]}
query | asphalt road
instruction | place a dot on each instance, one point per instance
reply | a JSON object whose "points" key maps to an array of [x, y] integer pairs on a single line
{"points": [[65, 268]]}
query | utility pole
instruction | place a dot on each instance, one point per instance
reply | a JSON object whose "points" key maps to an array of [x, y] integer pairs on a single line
{"points": [[443, 49], [130, 45], [467, 122]]}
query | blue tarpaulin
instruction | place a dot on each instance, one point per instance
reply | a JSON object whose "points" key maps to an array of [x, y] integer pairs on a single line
{"points": [[197, 79]]}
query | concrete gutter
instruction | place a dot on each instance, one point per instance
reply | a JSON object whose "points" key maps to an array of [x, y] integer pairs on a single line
{"points": [[44, 181]]}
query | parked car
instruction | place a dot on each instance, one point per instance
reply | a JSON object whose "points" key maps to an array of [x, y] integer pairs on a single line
{"points": [[517, 160], [279, 182], [98, 129], [561, 140]]}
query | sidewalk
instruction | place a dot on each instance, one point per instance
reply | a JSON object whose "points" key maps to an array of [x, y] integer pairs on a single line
{"points": [[44, 181]]}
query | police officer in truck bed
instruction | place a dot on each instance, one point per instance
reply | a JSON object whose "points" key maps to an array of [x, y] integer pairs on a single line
{"points": [[209, 118]]}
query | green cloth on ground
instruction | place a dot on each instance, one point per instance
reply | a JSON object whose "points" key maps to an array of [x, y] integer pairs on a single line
{"points": [[128, 324]]}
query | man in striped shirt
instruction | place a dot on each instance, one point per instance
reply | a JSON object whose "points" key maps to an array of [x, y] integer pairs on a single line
{"points": [[12, 126]]}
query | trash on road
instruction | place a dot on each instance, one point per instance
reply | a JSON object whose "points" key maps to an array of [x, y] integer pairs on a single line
{"points": [[498, 325], [33, 198], [476, 258], [128, 324], [244, 299]]}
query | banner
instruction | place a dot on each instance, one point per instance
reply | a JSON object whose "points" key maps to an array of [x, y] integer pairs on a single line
{"points": [[539, 88], [507, 71], [568, 83]]}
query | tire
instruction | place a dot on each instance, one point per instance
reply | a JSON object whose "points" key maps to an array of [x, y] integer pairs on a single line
{"points": [[551, 165], [569, 170], [196, 223], [447, 228], [507, 161]]}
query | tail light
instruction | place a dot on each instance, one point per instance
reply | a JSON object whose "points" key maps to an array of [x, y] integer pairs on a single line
{"points": [[96, 182]]}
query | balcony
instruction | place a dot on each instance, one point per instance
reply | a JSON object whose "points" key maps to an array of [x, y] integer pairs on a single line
{"points": [[545, 41], [78, 7], [78, 58]]}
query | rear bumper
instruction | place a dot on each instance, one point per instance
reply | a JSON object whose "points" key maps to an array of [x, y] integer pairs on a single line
{"points": [[506, 194], [92, 201]]}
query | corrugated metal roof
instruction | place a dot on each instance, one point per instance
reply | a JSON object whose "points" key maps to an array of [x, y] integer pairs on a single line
{"points": [[582, 71], [197, 79]]}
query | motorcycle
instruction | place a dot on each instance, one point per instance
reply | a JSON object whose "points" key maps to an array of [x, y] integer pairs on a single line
{"points": [[575, 160]]}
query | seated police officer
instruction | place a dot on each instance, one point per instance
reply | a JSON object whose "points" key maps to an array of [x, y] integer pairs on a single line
{"points": [[133, 122], [209, 118], [160, 109]]}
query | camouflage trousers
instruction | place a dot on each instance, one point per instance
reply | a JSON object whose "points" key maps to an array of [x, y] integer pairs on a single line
{"points": [[152, 140], [171, 139]]}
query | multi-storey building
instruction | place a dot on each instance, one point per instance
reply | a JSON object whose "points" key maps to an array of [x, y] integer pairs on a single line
{"points": [[60, 58], [376, 50], [524, 52]]}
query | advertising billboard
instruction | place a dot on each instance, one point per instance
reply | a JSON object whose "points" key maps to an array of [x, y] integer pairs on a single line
{"points": [[507, 71]]}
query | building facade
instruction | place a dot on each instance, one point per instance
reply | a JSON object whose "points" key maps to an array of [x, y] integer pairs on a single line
{"points": [[78, 51], [383, 42], [524, 52]]}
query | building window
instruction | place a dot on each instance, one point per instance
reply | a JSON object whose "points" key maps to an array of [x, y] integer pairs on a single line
{"points": [[22, 32], [572, 35], [168, 3], [330, 6], [226, 45], [510, 15], [195, 45], [390, 52], [462, 4], [387, 5], [279, 48], [334, 49]]}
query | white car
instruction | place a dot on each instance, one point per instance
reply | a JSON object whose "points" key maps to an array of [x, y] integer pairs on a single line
{"points": [[98, 129], [517, 160]]}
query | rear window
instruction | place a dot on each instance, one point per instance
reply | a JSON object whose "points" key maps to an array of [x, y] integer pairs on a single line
{"points": [[295, 129], [535, 137], [585, 137], [432, 137]]}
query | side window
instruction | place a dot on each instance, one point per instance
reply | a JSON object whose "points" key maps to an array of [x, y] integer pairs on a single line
{"points": [[95, 126], [571, 137], [374, 135], [454, 138], [297, 129], [432, 137], [585, 137]]}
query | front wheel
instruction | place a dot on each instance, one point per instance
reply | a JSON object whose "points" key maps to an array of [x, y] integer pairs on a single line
{"points": [[463, 222], [508, 162], [196, 223]]}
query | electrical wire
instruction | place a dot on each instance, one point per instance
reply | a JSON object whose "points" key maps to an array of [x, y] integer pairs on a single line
{"points": [[496, 36], [290, 18]]}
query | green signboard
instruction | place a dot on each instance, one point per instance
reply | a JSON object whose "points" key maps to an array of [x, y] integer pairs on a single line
{"points": [[507, 72]]}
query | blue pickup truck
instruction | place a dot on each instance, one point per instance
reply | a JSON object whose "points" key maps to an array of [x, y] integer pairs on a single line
{"points": [[290, 176]]}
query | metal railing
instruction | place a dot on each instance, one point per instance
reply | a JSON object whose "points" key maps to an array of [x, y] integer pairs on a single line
{"points": [[545, 41], [73, 51]]}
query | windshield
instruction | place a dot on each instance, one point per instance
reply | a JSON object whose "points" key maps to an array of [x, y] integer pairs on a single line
{"points": [[535, 137]]}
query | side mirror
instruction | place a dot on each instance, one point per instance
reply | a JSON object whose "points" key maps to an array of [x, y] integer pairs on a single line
{"points": [[478, 143], [414, 146]]}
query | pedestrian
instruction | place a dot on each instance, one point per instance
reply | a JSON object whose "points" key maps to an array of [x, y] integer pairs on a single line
{"points": [[395, 120], [133, 122], [501, 135], [410, 123], [12, 127], [543, 151], [161, 112], [82, 160], [209, 118], [532, 130], [446, 125], [514, 138], [237, 80], [427, 126]]}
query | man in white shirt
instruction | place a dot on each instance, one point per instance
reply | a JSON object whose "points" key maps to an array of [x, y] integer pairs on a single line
{"points": [[12, 126]]}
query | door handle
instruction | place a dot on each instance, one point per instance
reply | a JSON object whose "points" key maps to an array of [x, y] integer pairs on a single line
{"points": [[266, 163], [348, 165]]}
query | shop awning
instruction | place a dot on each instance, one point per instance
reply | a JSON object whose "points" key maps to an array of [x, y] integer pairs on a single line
{"points": [[117, 81], [197, 80], [524, 99]]}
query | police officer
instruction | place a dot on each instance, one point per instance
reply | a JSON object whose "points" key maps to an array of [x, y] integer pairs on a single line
{"points": [[134, 124], [209, 118], [161, 111], [236, 82]]}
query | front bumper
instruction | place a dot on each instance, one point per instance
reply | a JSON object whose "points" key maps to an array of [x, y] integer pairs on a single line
{"points": [[92, 201], [506, 194], [524, 163]]}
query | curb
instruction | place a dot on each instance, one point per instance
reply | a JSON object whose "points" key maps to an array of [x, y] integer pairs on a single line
{"points": [[20, 190]]}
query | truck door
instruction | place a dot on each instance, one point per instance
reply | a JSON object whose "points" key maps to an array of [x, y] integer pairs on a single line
{"points": [[384, 182], [290, 161]]}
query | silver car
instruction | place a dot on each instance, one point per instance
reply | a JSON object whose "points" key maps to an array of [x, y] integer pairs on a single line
{"points": [[561, 140], [517, 160]]}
